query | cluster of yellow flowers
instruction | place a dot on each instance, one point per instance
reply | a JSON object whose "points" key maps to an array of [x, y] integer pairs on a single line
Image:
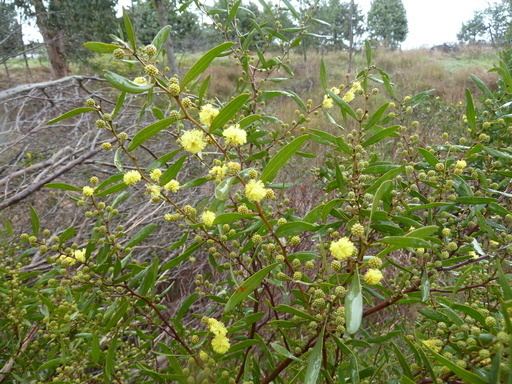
{"points": [[87, 191], [68, 261], [193, 141], [434, 344], [255, 190], [208, 217], [373, 276], [218, 172], [132, 177], [343, 248], [234, 135], [327, 102], [460, 165], [172, 186], [220, 342], [155, 174], [207, 114], [154, 191]]}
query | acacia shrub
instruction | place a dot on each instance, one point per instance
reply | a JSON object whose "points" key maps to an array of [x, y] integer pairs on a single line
{"points": [[399, 273]]}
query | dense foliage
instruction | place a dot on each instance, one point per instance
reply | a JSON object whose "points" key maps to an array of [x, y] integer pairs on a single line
{"points": [[387, 22], [397, 272], [491, 25]]}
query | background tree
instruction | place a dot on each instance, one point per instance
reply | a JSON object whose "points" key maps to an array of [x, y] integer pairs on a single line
{"points": [[346, 23], [66, 24], [185, 31], [492, 25], [11, 38], [387, 22]]}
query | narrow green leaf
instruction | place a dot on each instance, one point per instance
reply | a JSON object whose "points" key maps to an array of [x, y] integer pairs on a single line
{"points": [[294, 311], [203, 63], [391, 174], [283, 351], [161, 37], [377, 116], [354, 305], [34, 220], [428, 156], [228, 111], [125, 85], [425, 287], [234, 9], [381, 135], [99, 47], [63, 186], [423, 231], [110, 361], [466, 376], [470, 110], [315, 361], [150, 275], [345, 108], [405, 242], [402, 361], [141, 235], [171, 172], [368, 52], [382, 193], [223, 188], [295, 227], [119, 104], [72, 113], [148, 132], [247, 287], [323, 75], [128, 26], [280, 158]]}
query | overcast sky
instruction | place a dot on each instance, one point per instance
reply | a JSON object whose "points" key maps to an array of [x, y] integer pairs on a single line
{"points": [[431, 22]]}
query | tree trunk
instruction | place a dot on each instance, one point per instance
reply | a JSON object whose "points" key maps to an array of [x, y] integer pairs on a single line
{"points": [[24, 53], [162, 12], [350, 37], [53, 40]]}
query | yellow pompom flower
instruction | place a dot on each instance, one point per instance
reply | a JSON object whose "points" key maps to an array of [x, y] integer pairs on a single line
{"points": [[342, 249], [172, 186], [356, 87], [216, 327], [66, 261], [220, 344], [327, 103], [335, 90], [434, 344], [79, 255], [153, 190], [155, 174], [132, 177], [218, 172], [208, 217], [207, 113], [373, 276], [255, 190], [461, 164], [349, 96], [193, 141], [234, 135], [87, 191]]}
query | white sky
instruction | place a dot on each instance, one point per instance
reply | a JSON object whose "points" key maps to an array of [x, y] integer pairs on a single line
{"points": [[431, 22]]}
